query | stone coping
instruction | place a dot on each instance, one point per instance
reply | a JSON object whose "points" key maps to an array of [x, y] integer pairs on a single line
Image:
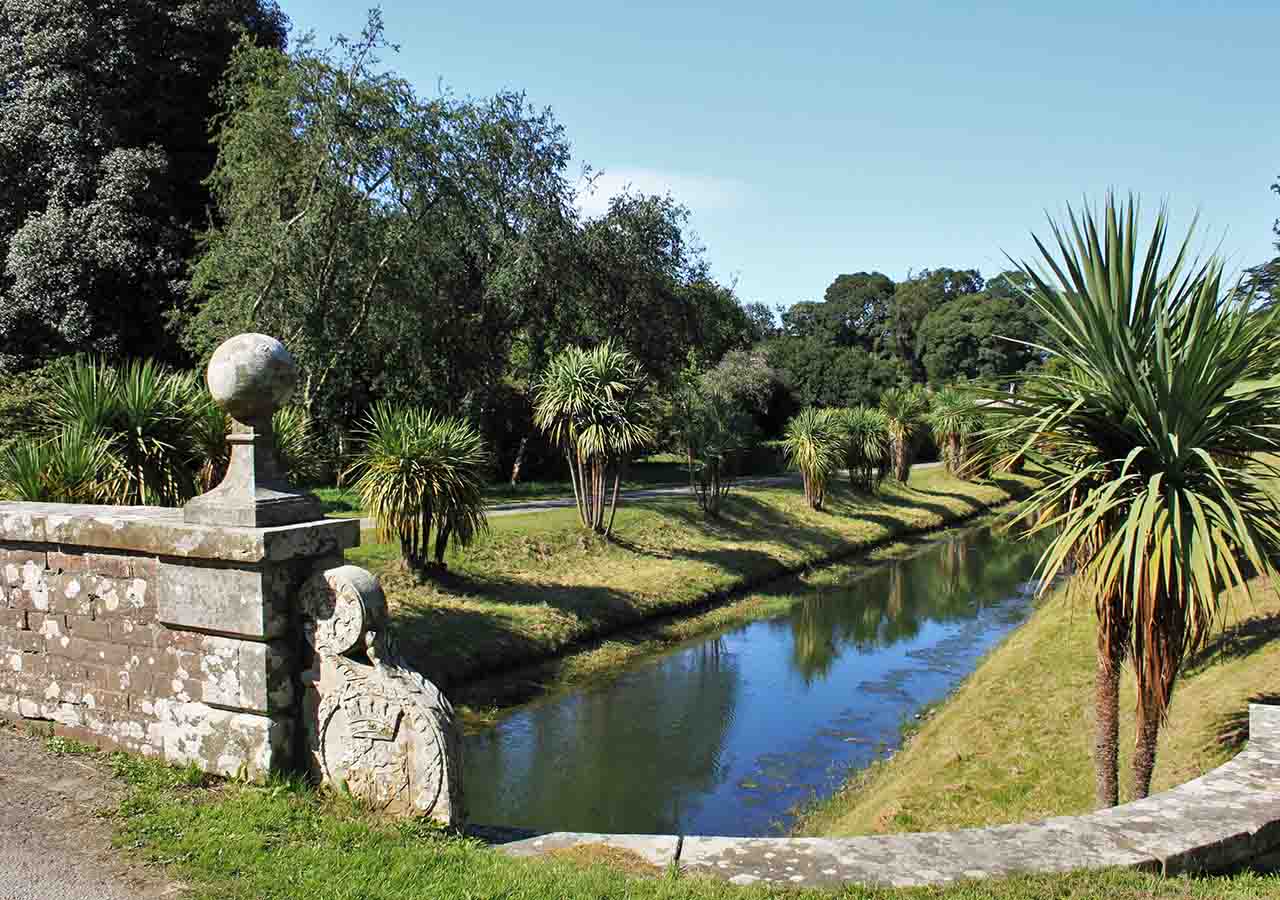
{"points": [[161, 531], [1224, 818]]}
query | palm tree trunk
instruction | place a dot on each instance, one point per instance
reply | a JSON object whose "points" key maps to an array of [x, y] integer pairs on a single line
{"points": [[577, 484], [1106, 740], [442, 541], [515, 466], [1144, 749], [613, 506]]}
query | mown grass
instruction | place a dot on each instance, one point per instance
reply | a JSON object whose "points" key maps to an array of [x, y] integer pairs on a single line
{"points": [[537, 586], [285, 841], [1014, 743]]}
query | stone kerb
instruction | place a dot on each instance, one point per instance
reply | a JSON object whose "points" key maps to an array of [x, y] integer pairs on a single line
{"points": [[1224, 818]]}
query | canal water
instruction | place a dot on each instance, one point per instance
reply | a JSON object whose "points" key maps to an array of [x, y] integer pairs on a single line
{"points": [[728, 733]]}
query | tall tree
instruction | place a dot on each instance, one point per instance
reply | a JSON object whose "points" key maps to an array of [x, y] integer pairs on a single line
{"points": [[645, 285], [397, 245], [104, 111], [980, 335], [858, 309], [919, 295]]}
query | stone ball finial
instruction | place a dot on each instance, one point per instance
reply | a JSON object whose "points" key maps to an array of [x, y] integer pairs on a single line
{"points": [[251, 376]]}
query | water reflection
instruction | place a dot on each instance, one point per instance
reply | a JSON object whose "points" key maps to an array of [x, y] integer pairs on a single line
{"points": [[891, 604], [726, 734]]}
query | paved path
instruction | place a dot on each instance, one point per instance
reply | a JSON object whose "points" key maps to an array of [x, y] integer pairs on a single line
{"points": [[53, 843], [518, 507], [1225, 818]]}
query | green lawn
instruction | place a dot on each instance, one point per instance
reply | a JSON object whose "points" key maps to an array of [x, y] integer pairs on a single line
{"points": [[285, 841], [537, 585]]}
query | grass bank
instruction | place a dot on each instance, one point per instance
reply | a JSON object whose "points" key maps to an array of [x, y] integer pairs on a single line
{"points": [[537, 586], [1014, 742], [285, 841]]}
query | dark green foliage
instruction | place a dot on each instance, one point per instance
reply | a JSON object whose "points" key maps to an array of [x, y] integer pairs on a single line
{"points": [[920, 295], [855, 312], [398, 244], [980, 335], [103, 148], [819, 373]]}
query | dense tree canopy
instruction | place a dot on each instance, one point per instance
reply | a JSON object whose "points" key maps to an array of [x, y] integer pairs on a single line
{"points": [[978, 335], [168, 170], [104, 109]]}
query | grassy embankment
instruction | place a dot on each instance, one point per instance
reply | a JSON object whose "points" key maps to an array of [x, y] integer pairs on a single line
{"points": [[537, 586], [1014, 742]]}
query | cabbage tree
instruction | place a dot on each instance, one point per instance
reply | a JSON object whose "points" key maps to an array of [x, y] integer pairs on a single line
{"points": [[419, 473], [905, 408], [867, 446], [594, 405], [954, 418], [1153, 442], [814, 443]]}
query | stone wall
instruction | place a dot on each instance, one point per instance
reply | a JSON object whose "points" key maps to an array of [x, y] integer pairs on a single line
{"points": [[132, 629]]}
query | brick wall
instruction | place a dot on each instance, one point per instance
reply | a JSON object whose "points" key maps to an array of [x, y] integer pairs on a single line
{"points": [[131, 629], [81, 646]]}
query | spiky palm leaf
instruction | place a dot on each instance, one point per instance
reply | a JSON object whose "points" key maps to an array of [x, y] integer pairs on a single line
{"points": [[1153, 442], [814, 442], [140, 409], [67, 468], [905, 408]]}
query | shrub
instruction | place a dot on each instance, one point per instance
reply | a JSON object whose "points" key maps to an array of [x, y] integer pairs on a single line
{"points": [[420, 473], [815, 444]]}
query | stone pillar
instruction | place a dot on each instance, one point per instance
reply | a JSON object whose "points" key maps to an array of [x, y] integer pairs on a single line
{"points": [[194, 634], [130, 628]]}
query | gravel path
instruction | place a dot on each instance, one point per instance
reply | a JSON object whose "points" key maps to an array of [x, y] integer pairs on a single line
{"points": [[56, 845]]}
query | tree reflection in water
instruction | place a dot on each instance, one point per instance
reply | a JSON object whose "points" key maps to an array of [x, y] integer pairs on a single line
{"points": [[668, 737], [950, 581]]}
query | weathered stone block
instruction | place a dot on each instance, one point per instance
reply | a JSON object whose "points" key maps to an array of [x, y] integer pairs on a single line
{"points": [[88, 627], [224, 742], [249, 602]]}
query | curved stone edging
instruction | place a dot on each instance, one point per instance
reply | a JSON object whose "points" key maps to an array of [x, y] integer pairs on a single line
{"points": [[1223, 818]]}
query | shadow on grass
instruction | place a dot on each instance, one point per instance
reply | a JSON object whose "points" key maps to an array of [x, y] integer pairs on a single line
{"points": [[477, 620], [1231, 730], [1238, 641]]}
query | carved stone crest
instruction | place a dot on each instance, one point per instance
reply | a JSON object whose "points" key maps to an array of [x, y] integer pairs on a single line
{"points": [[374, 724]]}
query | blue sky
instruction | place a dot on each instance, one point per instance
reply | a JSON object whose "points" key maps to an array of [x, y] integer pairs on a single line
{"points": [[813, 139]]}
